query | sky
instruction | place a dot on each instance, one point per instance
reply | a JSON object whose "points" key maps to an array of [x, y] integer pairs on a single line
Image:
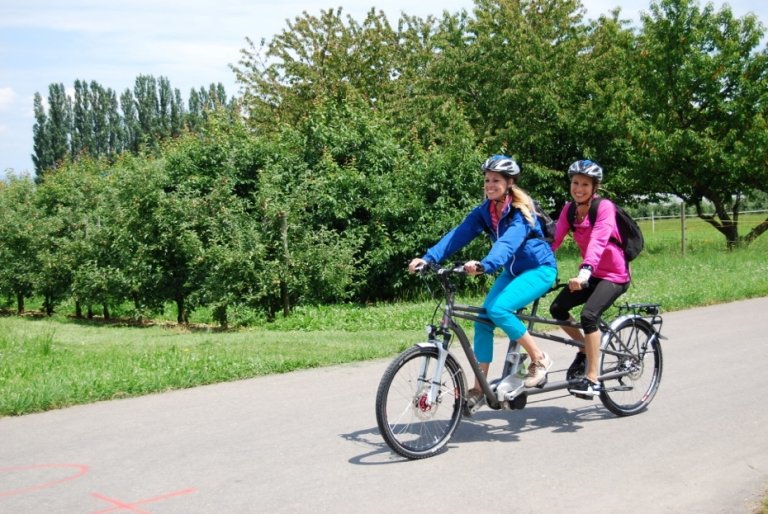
{"points": [[190, 42]]}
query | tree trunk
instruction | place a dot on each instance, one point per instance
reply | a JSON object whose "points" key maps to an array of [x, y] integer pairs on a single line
{"points": [[181, 311], [20, 303], [220, 315], [285, 299], [48, 305]]}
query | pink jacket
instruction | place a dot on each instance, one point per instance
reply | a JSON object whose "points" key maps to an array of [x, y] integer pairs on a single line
{"points": [[607, 259]]}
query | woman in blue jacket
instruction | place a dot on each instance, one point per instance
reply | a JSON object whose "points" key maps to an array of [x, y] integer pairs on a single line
{"points": [[528, 265]]}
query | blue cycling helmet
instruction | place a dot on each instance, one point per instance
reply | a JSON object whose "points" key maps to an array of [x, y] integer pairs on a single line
{"points": [[501, 164], [588, 168]]}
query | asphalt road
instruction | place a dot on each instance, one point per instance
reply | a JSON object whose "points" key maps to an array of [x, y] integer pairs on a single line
{"points": [[308, 442]]}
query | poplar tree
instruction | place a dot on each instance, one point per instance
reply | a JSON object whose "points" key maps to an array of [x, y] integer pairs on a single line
{"points": [[131, 131], [82, 122], [42, 156], [59, 123]]}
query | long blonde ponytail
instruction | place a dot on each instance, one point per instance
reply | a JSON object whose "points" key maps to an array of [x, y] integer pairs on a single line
{"points": [[523, 202]]}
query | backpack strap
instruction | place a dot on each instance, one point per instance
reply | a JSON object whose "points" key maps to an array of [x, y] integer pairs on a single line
{"points": [[572, 215], [593, 217], [592, 212]]}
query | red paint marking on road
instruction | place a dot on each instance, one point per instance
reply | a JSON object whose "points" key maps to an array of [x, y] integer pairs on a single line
{"points": [[120, 505], [81, 470]]}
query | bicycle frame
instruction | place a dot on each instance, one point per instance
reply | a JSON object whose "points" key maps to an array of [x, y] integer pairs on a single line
{"points": [[448, 324]]}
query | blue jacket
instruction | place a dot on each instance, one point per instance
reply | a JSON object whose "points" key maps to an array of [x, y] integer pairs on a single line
{"points": [[512, 247]]}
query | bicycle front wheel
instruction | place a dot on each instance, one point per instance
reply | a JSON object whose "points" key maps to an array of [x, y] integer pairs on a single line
{"points": [[409, 424], [631, 353]]}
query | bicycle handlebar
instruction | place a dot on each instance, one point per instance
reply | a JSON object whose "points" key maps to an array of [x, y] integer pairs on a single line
{"points": [[458, 267], [428, 267]]}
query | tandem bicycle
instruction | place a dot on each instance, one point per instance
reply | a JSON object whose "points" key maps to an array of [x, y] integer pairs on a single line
{"points": [[421, 397]]}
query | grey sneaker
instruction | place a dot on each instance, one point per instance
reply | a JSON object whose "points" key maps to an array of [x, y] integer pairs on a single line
{"points": [[537, 371]]}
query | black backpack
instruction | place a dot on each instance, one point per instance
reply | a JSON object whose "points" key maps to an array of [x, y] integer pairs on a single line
{"points": [[631, 235], [546, 222]]}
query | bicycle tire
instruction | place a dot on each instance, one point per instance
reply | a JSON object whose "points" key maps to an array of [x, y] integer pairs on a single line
{"points": [[410, 427], [631, 346]]}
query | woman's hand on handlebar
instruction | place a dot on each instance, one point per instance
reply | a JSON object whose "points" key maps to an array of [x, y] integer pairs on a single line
{"points": [[582, 280], [473, 268], [416, 264]]}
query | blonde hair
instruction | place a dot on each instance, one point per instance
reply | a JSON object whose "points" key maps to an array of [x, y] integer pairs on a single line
{"points": [[523, 202]]}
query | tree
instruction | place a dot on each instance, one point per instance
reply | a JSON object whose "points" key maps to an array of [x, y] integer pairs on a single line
{"points": [[42, 157], [19, 239], [701, 132], [209, 237], [51, 132], [147, 110], [518, 70], [379, 152], [130, 128], [82, 121], [603, 107], [105, 122], [314, 58], [68, 201]]}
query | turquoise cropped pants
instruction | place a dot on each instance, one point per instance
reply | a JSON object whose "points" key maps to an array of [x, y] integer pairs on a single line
{"points": [[507, 295]]}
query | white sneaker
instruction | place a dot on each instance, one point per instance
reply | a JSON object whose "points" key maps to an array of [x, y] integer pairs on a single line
{"points": [[537, 371]]}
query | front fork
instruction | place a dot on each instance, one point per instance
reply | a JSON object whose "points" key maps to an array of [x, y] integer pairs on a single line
{"points": [[433, 382]]}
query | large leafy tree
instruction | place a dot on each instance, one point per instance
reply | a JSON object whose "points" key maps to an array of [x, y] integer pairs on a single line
{"points": [[605, 90], [317, 57], [209, 242], [517, 69], [701, 131], [77, 256]]}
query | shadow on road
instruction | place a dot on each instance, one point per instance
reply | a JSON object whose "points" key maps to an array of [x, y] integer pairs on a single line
{"points": [[487, 426]]}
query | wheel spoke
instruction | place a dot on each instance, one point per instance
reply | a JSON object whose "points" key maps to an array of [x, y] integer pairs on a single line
{"points": [[410, 425], [630, 349]]}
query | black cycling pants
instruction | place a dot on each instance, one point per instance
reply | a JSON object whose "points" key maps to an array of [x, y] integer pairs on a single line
{"points": [[596, 298]]}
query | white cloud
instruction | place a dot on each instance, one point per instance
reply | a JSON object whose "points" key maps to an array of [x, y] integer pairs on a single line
{"points": [[7, 97]]}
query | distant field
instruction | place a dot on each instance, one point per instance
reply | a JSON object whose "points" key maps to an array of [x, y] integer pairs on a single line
{"points": [[699, 234]]}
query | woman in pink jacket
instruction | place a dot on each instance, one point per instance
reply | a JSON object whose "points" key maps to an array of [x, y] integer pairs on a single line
{"points": [[603, 273]]}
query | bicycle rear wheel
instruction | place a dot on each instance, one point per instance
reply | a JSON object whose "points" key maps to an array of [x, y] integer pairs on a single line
{"points": [[410, 426], [632, 354]]}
